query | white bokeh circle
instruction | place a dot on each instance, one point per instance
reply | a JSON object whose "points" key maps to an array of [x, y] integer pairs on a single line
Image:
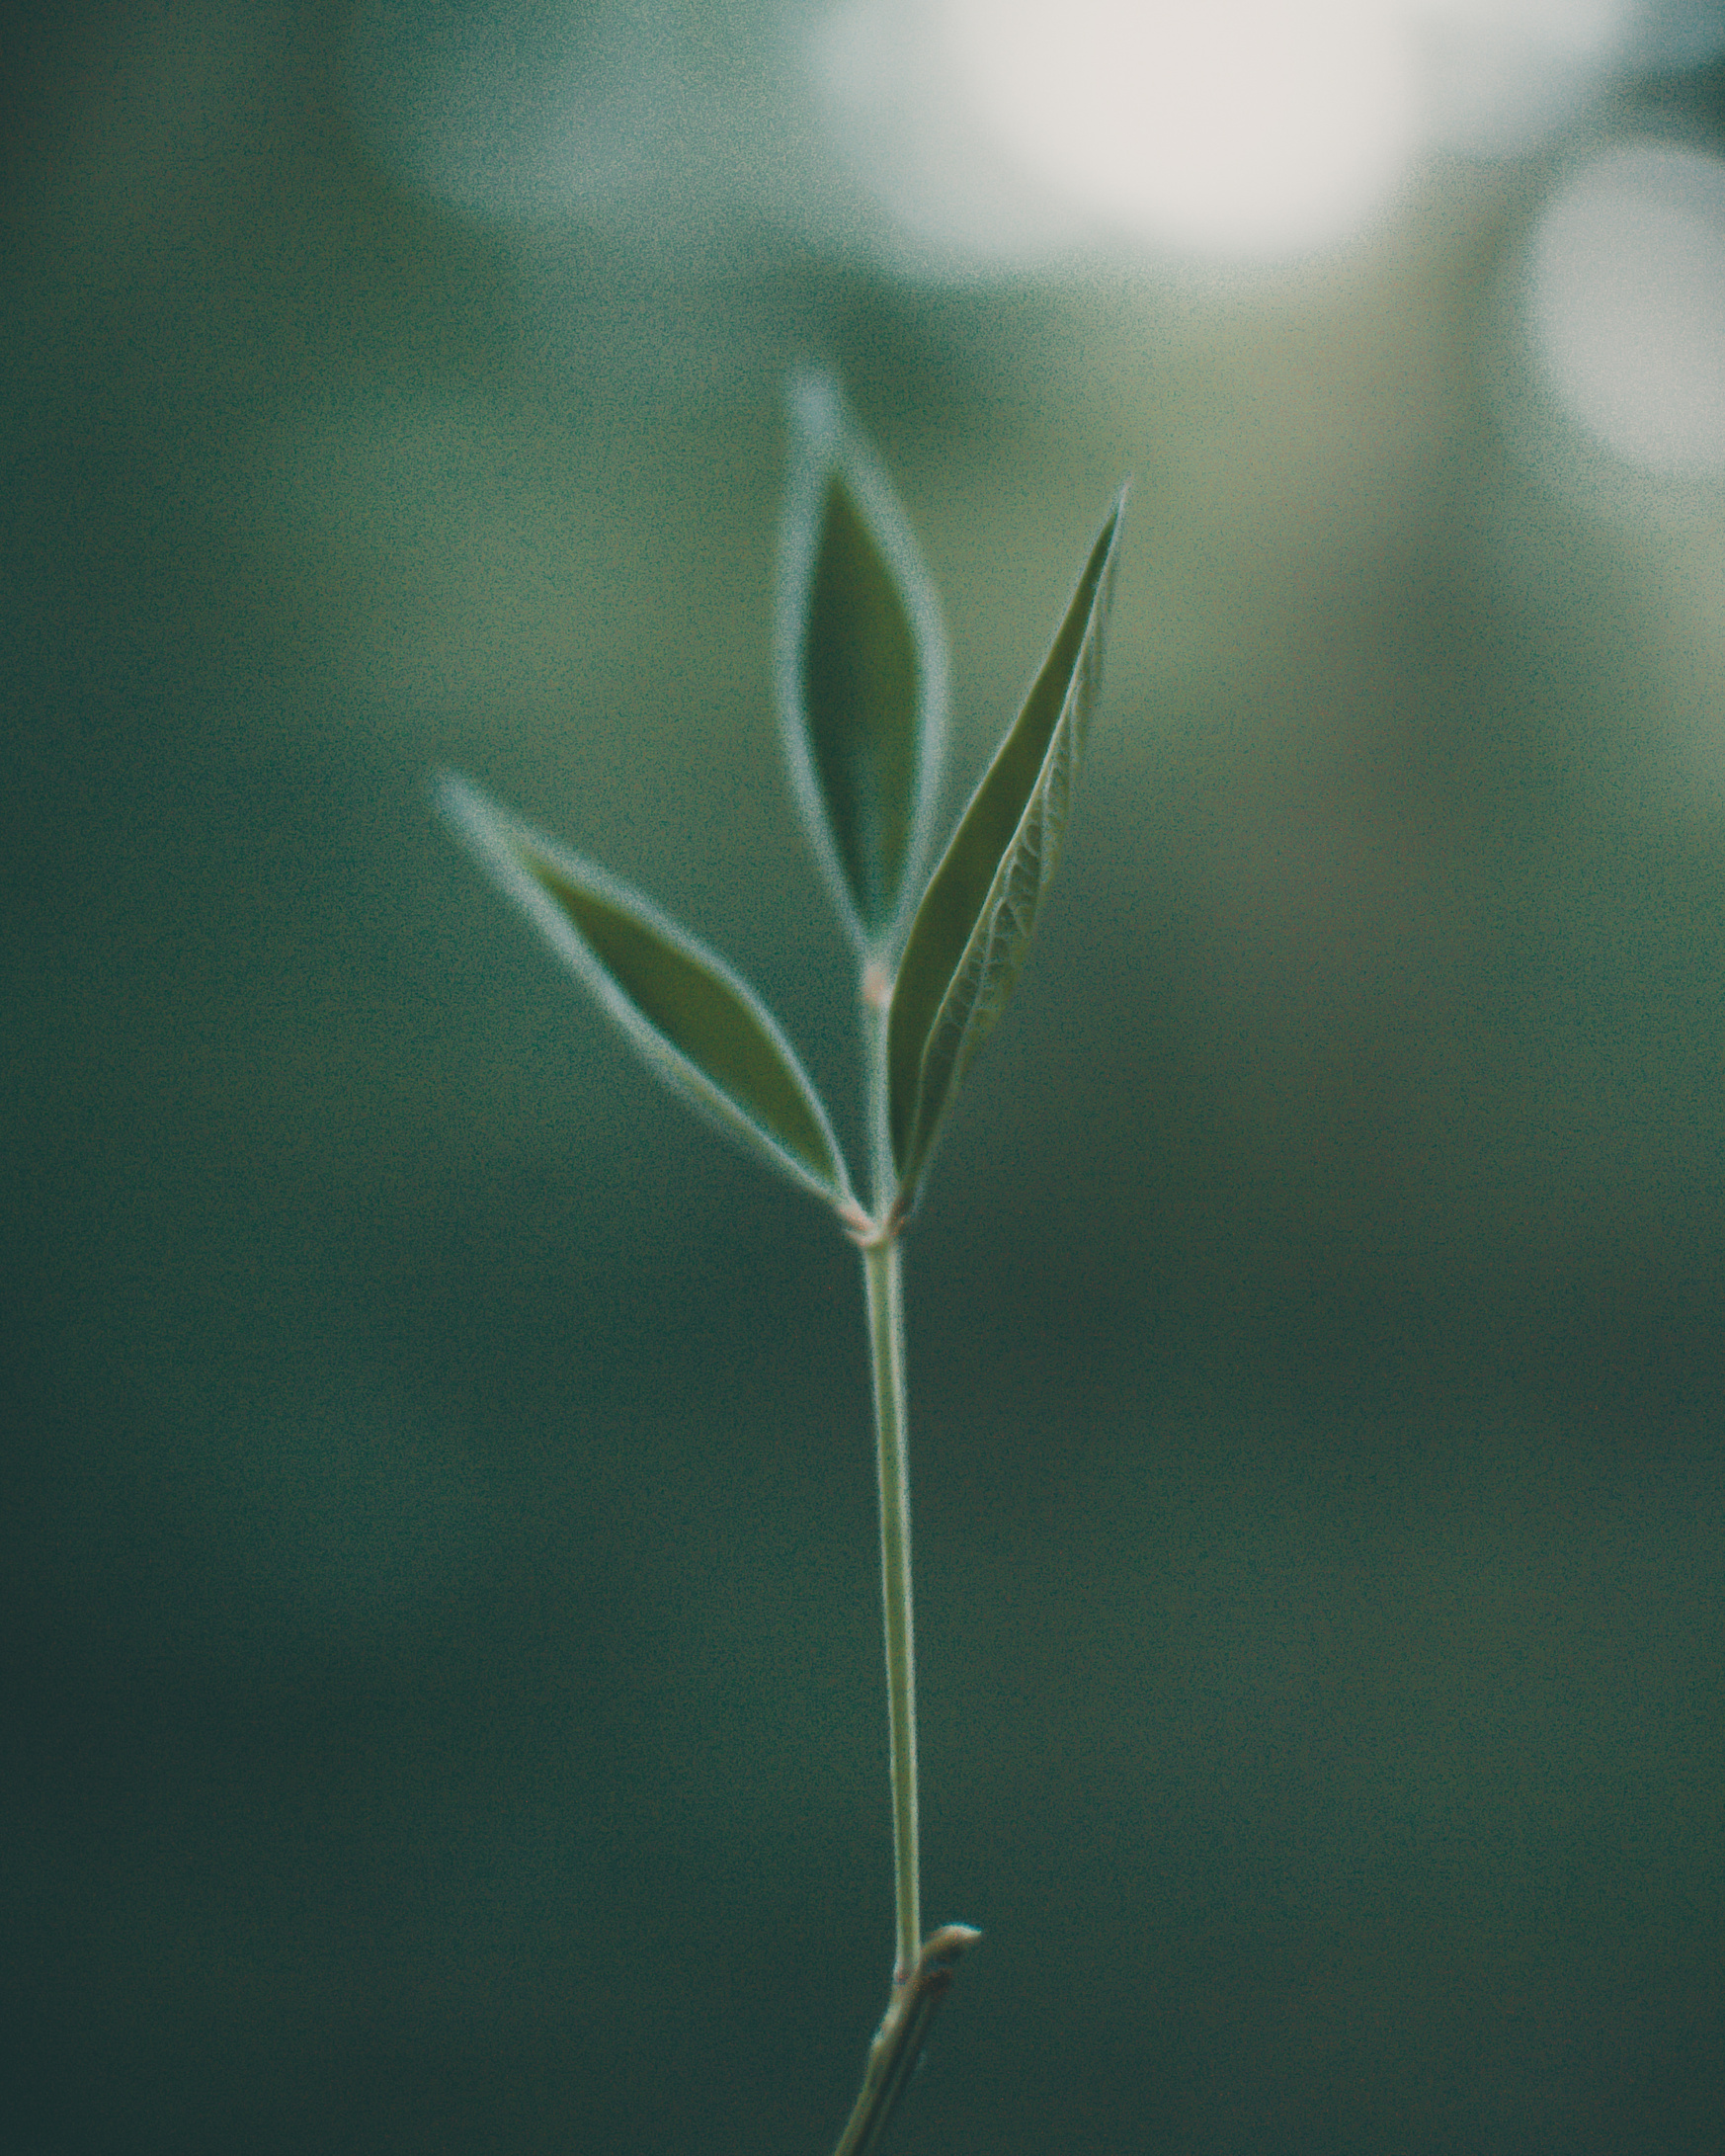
{"points": [[1625, 305], [1246, 129]]}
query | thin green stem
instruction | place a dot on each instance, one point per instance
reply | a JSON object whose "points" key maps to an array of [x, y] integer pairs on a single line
{"points": [[923, 1968], [880, 1272], [882, 1283]]}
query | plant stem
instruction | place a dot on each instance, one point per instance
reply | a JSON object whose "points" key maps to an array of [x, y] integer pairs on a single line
{"points": [[880, 1272], [922, 1970], [882, 1280]]}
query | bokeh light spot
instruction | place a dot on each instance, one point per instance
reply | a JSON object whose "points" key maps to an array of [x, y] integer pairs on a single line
{"points": [[1626, 305], [1252, 129]]}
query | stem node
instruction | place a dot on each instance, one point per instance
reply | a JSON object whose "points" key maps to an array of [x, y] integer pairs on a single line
{"points": [[898, 2042]]}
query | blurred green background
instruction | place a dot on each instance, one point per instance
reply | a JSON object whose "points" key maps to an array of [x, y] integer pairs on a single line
{"points": [[443, 1693]]}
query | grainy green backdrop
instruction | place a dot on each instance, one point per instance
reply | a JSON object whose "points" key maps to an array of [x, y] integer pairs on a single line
{"points": [[443, 1698]]}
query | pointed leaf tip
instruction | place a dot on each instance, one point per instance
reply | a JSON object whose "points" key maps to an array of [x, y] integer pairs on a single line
{"points": [[861, 667], [697, 1023], [972, 931]]}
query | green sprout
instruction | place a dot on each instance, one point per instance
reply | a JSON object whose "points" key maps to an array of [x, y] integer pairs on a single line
{"points": [[862, 688]]}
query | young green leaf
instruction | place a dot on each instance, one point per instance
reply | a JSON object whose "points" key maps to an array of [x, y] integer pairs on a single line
{"points": [[697, 1023], [972, 929], [862, 668]]}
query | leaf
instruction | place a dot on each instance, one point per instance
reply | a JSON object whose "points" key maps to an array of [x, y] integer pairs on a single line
{"points": [[972, 931], [861, 667], [697, 1023]]}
